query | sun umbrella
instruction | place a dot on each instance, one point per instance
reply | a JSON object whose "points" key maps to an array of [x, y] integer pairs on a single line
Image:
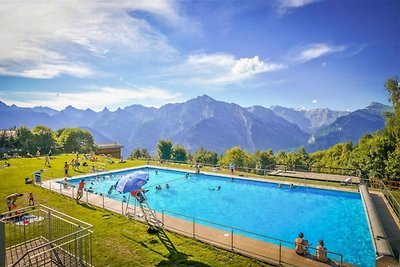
{"points": [[131, 181]]}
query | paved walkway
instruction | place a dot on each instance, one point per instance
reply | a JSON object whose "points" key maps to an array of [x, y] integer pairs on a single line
{"points": [[264, 251], [315, 176]]}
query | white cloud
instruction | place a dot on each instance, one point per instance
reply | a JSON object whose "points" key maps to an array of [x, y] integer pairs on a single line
{"points": [[285, 5], [222, 69], [63, 34], [314, 101], [104, 97], [314, 51]]}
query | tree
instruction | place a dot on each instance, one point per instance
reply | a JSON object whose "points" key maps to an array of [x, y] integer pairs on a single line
{"points": [[237, 156], [75, 139], [25, 140], [281, 158], [179, 153], [264, 159], [393, 119], [205, 156], [164, 149], [43, 138], [393, 165], [139, 153]]}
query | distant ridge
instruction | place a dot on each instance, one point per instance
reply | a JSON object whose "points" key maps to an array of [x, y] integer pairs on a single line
{"points": [[204, 121]]}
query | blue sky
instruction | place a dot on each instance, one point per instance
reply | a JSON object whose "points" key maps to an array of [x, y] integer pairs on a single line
{"points": [[294, 53]]}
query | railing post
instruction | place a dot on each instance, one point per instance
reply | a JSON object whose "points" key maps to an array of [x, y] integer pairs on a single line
{"points": [[194, 235], [280, 252], [2, 244], [122, 208], [80, 249], [232, 239], [49, 224], [87, 197], [162, 218], [103, 199]]}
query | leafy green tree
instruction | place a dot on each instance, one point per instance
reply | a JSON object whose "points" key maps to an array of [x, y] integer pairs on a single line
{"points": [[393, 119], [75, 139], [43, 138], [264, 159], [139, 153], [370, 155], [179, 153], [164, 149], [393, 165], [237, 156], [281, 158], [25, 140], [205, 156]]}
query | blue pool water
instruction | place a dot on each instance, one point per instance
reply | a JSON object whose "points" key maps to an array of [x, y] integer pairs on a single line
{"points": [[262, 208]]}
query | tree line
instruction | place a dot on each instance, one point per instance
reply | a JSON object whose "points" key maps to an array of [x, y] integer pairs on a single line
{"points": [[373, 156], [24, 141]]}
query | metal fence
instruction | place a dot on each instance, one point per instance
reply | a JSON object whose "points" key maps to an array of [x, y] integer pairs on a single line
{"points": [[41, 236], [274, 251], [388, 193], [267, 170]]}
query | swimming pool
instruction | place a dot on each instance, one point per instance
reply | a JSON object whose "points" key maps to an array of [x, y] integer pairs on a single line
{"points": [[261, 207]]}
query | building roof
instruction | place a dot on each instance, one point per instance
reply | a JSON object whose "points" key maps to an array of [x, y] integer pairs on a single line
{"points": [[115, 145]]}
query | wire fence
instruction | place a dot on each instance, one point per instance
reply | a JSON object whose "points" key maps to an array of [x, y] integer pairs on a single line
{"points": [[41, 236]]}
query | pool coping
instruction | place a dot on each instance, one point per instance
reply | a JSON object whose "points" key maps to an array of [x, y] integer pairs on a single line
{"points": [[260, 247]]}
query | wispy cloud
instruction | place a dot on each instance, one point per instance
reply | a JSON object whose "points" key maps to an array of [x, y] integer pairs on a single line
{"points": [[314, 101], [110, 97], [286, 5], [222, 69], [41, 36], [314, 51]]}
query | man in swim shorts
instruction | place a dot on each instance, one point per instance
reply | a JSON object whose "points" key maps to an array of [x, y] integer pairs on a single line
{"points": [[300, 245], [79, 194]]}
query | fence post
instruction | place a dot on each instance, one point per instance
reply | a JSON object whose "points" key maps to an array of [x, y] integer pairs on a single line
{"points": [[280, 252], [162, 218], [194, 235], [2, 244], [49, 224], [87, 197], [60, 188], [103, 199], [122, 209], [232, 239]]}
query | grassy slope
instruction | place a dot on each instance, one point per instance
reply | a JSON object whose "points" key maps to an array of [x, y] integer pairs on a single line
{"points": [[110, 246]]}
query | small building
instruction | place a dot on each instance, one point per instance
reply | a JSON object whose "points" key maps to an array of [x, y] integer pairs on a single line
{"points": [[110, 149]]}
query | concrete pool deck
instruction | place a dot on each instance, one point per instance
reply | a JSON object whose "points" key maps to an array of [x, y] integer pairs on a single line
{"points": [[267, 252], [254, 248]]}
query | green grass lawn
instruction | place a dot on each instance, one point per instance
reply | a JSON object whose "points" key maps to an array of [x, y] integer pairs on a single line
{"points": [[110, 246]]}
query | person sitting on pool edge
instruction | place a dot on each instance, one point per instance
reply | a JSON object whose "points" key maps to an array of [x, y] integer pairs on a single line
{"points": [[300, 245], [321, 252]]}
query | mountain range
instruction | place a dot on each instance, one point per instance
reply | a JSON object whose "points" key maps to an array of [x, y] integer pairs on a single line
{"points": [[204, 121]]}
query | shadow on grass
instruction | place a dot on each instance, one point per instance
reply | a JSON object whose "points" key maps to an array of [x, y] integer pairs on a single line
{"points": [[85, 205], [180, 259]]}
